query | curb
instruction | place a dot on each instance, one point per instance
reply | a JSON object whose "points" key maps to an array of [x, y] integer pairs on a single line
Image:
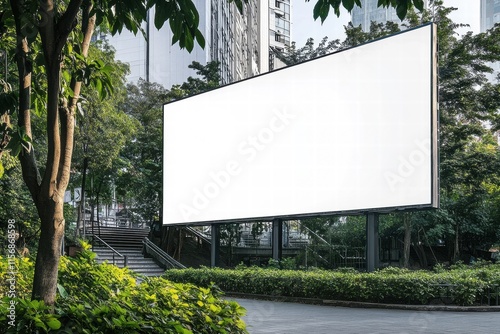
{"points": [[353, 304]]}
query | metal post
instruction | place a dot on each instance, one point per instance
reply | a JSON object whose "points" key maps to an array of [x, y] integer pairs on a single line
{"points": [[277, 239], [215, 246], [372, 251]]}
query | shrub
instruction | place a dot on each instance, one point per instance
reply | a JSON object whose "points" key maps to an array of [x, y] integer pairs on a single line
{"points": [[462, 286], [95, 298]]}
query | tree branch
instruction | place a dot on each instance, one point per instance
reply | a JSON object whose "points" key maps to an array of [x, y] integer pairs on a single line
{"points": [[67, 112], [67, 23], [31, 174], [46, 28]]}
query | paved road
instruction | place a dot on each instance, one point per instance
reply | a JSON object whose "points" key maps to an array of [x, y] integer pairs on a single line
{"points": [[290, 318]]}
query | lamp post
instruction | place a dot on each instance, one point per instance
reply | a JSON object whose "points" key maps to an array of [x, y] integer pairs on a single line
{"points": [[3, 53]]}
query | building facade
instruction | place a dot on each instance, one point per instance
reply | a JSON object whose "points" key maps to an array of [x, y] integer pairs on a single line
{"points": [[490, 14], [239, 41], [368, 12], [279, 29]]}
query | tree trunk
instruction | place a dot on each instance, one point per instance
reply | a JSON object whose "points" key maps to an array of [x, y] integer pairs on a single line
{"points": [[81, 211], [50, 201], [422, 258], [49, 251], [407, 240], [456, 249]]}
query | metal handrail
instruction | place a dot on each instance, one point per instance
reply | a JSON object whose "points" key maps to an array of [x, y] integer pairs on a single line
{"points": [[160, 255], [315, 234], [198, 234], [114, 251]]}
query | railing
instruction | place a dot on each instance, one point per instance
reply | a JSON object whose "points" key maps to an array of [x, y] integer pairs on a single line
{"points": [[491, 296], [113, 251], [198, 234], [160, 255]]}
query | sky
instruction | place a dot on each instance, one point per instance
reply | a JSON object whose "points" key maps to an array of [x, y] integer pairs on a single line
{"points": [[304, 26]]}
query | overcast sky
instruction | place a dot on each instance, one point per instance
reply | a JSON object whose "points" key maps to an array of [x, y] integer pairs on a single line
{"points": [[303, 25]]}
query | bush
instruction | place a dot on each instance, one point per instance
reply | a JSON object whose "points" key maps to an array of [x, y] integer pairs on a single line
{"points": [[95, 298], [464, 286]]}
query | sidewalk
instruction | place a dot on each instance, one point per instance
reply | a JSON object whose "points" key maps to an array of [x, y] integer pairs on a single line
{"points": [[273, 317], [353, 304]]}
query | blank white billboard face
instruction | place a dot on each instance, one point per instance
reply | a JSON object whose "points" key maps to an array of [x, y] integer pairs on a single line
{"points": [[350, 132]]}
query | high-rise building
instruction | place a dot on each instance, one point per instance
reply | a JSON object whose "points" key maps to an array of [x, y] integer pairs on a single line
{"points": [[369, 11], [490, 14], [279, 29], [239, 41]]}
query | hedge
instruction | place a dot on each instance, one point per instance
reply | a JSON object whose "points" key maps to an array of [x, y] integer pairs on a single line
{"points": [[467, 286]]}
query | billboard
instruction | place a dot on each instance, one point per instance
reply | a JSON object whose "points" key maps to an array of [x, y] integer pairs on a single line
{"points": [[350, 132]]}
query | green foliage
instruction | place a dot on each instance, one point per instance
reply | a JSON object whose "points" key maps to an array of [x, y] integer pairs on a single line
{"points": [[18, 270], [322, 7], [287, 263], [139, 180], [16, 204], [391, 285], [273, 264], [33, 316], [103, 298]]}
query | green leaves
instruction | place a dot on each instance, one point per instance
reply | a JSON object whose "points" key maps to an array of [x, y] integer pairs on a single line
{"points": [[34, 315], [19, 140], [183, 18], [402, 8], [321, 10], [348, 4], [389, 285], [419, 4], [322, 7]]}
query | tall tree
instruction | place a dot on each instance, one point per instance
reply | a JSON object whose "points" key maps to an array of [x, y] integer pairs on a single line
{"points": [[139, 182], [102, 130], [61, 32]]}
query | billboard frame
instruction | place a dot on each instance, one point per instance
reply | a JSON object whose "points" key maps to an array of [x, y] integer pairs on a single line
{"points": [[434, 155]]}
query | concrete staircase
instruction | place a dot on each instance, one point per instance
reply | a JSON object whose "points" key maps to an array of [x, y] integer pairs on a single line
{"points": [[135, 260], [122, 238], [128, 243]]}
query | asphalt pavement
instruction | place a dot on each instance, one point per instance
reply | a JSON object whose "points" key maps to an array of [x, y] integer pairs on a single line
{"points": [[293, 318]]}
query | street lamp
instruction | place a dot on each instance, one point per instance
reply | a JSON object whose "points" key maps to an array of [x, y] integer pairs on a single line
{"points": [[3, 53]]}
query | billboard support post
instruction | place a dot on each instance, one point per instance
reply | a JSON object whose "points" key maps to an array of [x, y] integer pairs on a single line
{"points": [[215, 246], [277, 239], [372, 249]]}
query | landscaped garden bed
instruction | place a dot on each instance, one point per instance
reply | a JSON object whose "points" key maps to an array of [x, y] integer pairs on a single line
{"points": [[458, 285]]}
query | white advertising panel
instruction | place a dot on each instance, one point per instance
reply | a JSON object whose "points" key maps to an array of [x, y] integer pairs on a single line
{"points": [[353, 131]]}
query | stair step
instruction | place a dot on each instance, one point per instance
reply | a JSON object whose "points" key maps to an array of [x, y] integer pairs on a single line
{"points": [[123, 238], [135, 260]]}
